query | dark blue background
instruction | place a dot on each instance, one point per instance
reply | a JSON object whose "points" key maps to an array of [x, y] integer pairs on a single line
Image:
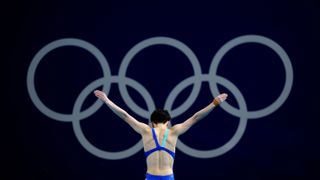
{"points": [[282, 145]]}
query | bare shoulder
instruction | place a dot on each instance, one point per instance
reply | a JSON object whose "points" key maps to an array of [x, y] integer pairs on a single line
{"points": [[174, 130], [145, 130]]}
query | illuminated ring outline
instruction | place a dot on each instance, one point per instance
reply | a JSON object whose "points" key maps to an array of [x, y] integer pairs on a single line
{"points": [[77, 127], [196, 80], [33, 67], [276, 48], [234, 139], [243, 114], [161, 41]]}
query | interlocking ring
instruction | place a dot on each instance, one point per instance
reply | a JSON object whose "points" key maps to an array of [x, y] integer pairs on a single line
{"points": [[195, 80]]}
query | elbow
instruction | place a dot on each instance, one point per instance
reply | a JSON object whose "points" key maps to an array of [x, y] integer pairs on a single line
{"points": [[124, 116], [196, 117]]}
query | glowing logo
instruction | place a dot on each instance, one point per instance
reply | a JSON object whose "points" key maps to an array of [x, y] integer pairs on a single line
{"points": [[196, 80]]}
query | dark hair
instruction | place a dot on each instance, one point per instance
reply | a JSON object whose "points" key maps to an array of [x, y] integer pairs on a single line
{"points": [[160, 116]]}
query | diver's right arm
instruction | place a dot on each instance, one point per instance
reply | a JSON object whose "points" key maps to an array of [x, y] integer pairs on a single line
{"points": [[183, 127]]}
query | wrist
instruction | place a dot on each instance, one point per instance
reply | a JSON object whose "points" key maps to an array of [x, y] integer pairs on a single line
{"points": [[215, 102], [106, 100]]}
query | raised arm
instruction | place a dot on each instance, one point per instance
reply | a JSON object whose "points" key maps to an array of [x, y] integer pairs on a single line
{"points": [[139, 127], [183, 127]]}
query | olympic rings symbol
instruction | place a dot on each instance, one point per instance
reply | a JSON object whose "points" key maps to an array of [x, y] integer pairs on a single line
{"points": [[123, 81]]}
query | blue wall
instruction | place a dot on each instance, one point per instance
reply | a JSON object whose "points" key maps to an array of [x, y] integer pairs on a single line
{"points": [[280, 144]]}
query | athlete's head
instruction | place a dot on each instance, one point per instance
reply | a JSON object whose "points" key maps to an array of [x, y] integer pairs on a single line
{"points": [[160, 116]]}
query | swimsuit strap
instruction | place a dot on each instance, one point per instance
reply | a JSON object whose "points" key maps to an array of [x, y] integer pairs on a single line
{"points": [[155, 137], [165, 138]]}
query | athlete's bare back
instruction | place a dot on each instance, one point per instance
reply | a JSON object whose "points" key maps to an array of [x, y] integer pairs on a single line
{"points": [[160, 162]]}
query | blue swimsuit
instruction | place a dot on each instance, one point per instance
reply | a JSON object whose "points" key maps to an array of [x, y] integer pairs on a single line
{"points": [[159, 148]]}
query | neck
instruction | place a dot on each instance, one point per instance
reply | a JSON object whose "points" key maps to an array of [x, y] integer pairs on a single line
{"points": [[160, 125]]}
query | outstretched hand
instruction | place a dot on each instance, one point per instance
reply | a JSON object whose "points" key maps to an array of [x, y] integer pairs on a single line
{"points": [[101, 95], [219, 99]]}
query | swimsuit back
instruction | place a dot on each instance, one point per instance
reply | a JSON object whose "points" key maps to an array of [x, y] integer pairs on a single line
{"points": [[158, 147]]}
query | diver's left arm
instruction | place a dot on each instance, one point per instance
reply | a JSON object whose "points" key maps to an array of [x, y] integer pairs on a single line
{"points": [[139, 127]]}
